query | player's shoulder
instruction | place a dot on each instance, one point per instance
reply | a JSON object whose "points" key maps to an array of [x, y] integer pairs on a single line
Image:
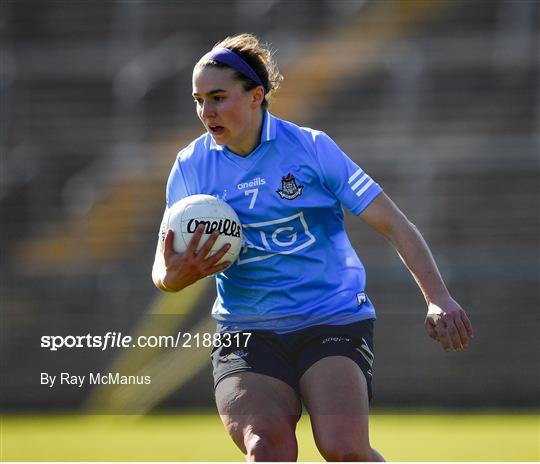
{"points": [[302, 133], [306, 137], [183, 178]]}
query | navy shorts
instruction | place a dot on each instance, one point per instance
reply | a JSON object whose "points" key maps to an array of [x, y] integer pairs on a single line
{"points": [[287, 356]]}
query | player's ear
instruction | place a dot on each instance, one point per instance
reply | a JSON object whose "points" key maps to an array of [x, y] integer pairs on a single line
{"points": [[257, 96]]}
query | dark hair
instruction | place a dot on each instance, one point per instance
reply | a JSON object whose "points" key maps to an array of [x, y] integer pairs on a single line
{"points": [[258, 56]]}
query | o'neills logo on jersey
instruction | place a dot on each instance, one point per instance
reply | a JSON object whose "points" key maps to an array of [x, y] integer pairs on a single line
{"points": [[223, 226], [289, 190], [257, 182]]}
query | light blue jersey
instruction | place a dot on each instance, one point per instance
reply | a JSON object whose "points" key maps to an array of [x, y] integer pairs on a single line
{"points": [[297, 268]]}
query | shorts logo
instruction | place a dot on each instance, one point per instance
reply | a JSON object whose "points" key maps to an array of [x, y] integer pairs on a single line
{"points": [[336, 339], [234, 356], [366, 352], [289, 190]]}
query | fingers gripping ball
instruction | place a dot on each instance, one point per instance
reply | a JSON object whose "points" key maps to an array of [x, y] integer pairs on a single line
{"points": [[187, 214]]}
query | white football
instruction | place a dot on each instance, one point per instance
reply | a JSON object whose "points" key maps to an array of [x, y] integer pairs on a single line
{"points": [[186, 215]]}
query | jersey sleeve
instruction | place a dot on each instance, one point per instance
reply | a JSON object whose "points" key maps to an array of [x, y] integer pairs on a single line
{"points": [[352, 186], [177, 187]]}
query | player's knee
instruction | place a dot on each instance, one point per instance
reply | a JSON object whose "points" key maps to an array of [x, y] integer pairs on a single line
{"points": [[270, 445], [345, 455], [260, 448], [344, 450]]}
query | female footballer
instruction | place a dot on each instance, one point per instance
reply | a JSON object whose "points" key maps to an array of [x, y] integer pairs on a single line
{"points": [[298, 286]]}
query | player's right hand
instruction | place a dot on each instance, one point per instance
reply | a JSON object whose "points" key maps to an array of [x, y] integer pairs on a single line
{"points": [[184, 269]]}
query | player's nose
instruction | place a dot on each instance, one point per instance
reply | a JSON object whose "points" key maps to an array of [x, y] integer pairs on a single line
{"points": [[207, 110]]}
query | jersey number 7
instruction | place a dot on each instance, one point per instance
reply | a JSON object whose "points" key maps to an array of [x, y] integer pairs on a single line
{"points": [[253, 192]]}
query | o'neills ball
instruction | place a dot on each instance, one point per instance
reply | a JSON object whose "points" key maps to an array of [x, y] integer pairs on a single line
{"points": [[187, 214]]}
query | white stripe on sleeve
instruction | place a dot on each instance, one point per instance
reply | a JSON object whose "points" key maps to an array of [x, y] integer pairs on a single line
{"points": [[362, 179], [355, 175], [365, 187]]}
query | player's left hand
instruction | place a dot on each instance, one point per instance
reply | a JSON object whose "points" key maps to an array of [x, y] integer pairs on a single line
{"points": [[447, 323]]}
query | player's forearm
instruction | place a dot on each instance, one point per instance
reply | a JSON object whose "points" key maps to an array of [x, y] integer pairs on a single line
{"points": [[416, 255]]}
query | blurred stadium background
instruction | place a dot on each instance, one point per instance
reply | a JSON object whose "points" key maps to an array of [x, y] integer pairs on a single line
{"points": [[437, 99]]}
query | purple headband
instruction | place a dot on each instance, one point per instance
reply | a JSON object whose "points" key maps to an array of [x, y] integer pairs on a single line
{"points": [[228, 57]]}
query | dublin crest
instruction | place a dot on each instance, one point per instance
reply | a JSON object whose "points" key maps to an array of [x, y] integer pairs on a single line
{"points": [[289, 190]]}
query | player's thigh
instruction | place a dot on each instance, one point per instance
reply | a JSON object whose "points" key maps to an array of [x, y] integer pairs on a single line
{"points": [[335, 392], [252, 404]]}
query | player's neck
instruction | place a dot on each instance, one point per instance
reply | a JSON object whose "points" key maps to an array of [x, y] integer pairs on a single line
{"points": [[252, 139]]}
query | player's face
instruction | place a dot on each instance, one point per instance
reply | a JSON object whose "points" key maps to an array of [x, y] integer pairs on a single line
{"points": [[229, 113]]}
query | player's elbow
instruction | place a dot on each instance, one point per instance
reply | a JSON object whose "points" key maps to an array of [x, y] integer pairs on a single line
{"points": [[157, 275], [155, 279]]}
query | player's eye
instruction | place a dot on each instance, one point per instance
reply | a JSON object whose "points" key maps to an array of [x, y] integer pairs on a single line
{"points": [[198, 100], [219, 98]]}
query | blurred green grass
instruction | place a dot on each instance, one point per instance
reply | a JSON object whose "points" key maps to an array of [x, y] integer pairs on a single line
{"points": [[201, 437]]}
